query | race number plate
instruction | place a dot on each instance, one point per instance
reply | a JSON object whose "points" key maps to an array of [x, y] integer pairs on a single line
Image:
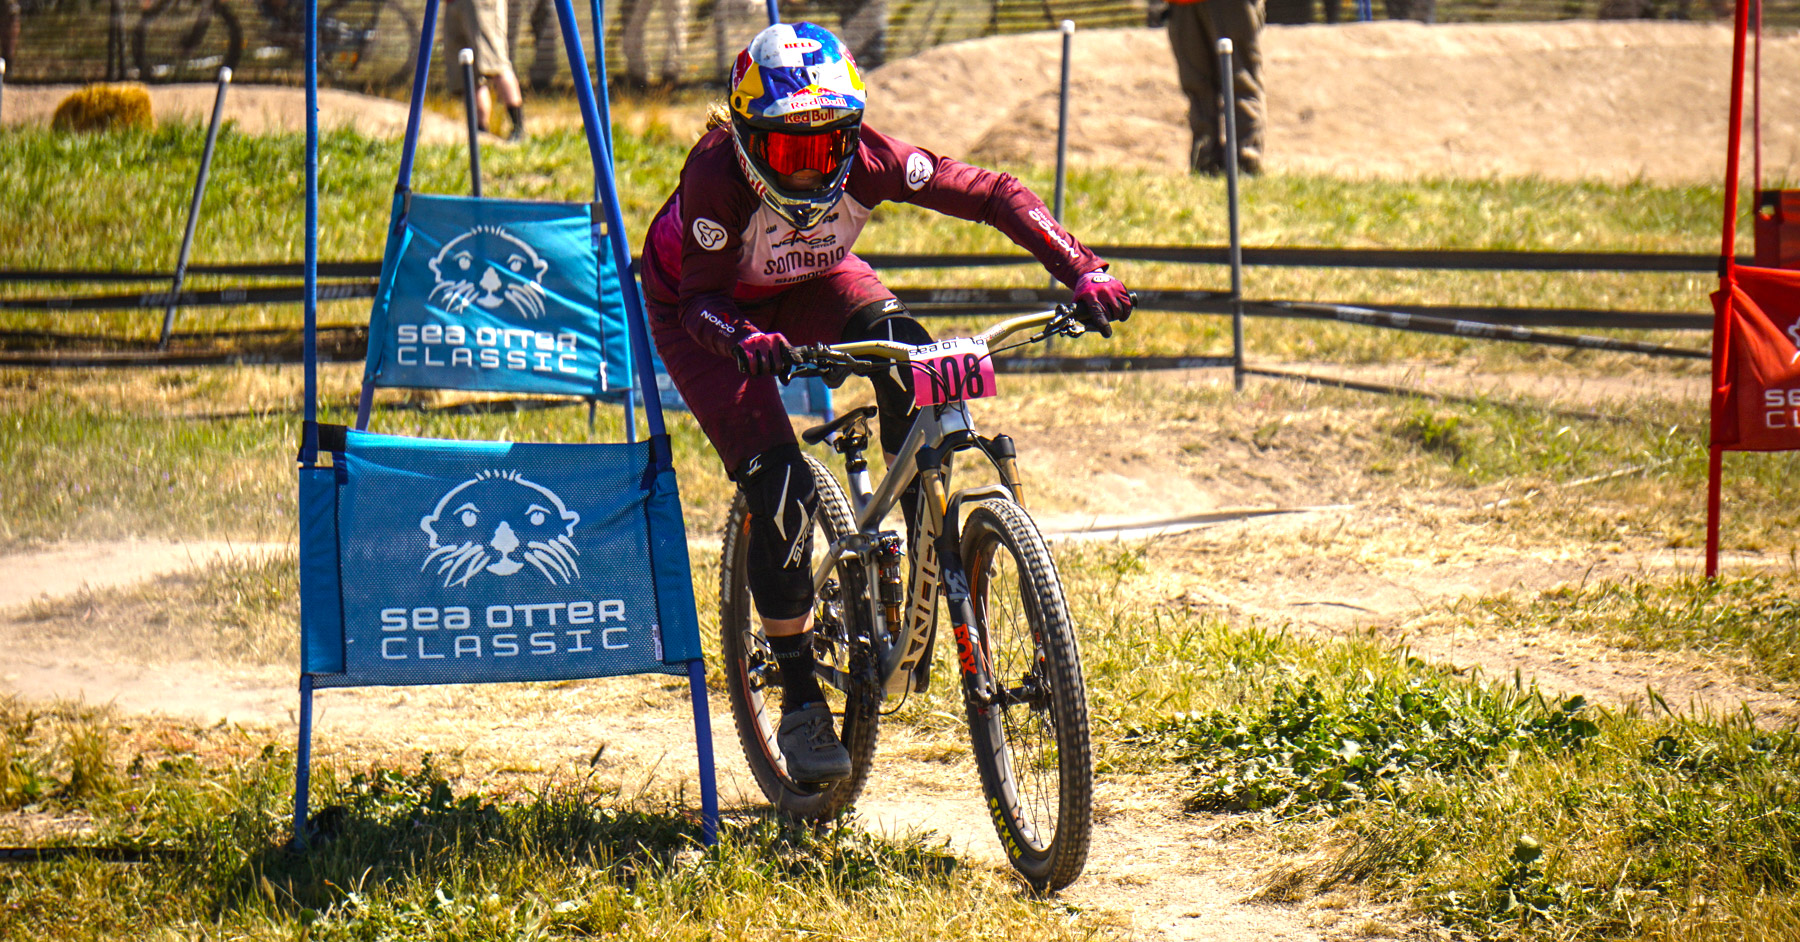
{"points": [[952, 371]]}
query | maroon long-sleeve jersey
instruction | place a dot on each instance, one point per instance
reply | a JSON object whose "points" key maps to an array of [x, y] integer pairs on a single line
{"points": [[715, 242]]}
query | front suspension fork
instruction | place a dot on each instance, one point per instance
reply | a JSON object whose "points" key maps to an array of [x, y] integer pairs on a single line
{"points": [[971, 651]]}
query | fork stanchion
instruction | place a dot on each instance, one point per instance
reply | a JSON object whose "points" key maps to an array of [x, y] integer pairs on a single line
{"points": [[1231, 204], [193, 219], [466, 60]]}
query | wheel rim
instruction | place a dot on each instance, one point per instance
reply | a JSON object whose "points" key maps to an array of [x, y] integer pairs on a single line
{"points": [[1021, 712]]}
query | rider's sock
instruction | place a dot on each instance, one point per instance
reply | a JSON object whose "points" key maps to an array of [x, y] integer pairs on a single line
{"points": [[517, 114], [794, 657]]}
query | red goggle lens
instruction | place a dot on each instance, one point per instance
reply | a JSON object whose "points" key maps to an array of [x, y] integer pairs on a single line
{"points": [[791, 153]]}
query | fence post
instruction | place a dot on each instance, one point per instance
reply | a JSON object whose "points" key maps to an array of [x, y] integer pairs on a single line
{"points": [[1231, 203], [1062, 140], [193, 220], [466, 59]]}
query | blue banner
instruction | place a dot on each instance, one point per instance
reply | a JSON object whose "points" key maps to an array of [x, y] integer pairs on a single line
{"points": [[482, 562], [497, 295]]}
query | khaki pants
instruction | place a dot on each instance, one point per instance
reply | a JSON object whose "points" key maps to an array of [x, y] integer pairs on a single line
{"points": [[1194, 32], [479, 25]]}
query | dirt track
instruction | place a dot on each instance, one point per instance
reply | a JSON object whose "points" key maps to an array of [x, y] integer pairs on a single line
{"points": [[1610, 101], [1575, 100]]}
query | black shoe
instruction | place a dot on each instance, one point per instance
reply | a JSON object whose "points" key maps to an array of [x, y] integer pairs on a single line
{"points": [[811, 746]]}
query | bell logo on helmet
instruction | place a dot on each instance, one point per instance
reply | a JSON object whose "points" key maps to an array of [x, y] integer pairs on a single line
{"points": [[798, 44], [709, 234], [918, 170]]}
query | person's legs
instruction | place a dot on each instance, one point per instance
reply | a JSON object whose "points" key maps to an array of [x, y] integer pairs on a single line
{"points": [[747, 424], [546, 44], [1191, 38], [492, 62], [9, 29], [675, 48], [1241, 21]]}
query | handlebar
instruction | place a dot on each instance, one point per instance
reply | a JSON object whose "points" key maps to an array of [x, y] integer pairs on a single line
{"points": [[835, 362]]}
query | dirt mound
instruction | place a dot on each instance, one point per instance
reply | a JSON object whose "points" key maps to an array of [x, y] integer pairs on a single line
{"points": [[1571, 100], [257, 109]]}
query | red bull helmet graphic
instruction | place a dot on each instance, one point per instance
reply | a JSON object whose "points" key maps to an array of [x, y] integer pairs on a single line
{"points": [[796, 112]]}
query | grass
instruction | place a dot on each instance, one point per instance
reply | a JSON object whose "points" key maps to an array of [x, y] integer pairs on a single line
{"points": [[1752, 622], [398, 853], [1490, 808], [139, 182]]}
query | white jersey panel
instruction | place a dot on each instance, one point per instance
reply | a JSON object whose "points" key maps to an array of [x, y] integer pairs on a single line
{"points": [[774, 253]]}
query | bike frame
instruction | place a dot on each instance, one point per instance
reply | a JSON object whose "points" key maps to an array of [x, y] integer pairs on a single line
{"points": [[936, 434]]}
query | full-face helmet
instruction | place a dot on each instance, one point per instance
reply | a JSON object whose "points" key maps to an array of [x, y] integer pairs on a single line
{"points": [[796, 105]]}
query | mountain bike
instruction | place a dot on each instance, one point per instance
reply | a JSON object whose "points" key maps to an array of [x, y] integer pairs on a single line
{"points": [[366, 44], [874, 629]]}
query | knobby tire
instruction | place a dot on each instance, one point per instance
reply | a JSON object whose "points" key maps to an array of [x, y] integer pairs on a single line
{"points": [[1031, 743], [751, 673]]}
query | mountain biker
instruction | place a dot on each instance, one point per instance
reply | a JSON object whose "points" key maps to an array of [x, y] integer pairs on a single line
{"points": [[751, 254]]}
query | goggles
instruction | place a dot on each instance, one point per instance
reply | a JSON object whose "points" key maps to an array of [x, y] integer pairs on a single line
{"points": [[788, 154]]}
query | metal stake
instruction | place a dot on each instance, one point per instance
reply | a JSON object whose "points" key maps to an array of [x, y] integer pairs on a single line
{"points": [[303, 761], [1062, 138], [466, 59], [1231, 203], [193, 220]]}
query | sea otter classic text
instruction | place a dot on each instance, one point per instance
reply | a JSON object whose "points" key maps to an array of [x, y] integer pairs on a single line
{"points": [[486, 348], [430, 633]]}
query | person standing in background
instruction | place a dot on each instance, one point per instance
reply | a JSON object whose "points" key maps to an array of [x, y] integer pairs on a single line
{"points": [[9, 29], [1195, 28], [640, 70], [546, 41], [481, 25]]}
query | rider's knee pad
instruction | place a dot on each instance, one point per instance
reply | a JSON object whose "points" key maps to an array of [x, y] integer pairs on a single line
{"points": [[779, 490], [889, 320]]}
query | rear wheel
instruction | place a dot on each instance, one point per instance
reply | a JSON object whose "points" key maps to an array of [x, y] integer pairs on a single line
{"points": [[1029, 720], [367, 44], [840, 634], [176, 41]]}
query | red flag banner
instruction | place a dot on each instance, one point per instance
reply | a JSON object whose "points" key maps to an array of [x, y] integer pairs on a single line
{"points": [[1756, 390]]}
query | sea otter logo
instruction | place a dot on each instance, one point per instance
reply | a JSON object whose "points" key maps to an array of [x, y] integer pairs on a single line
{"points": [[1794, 332], [482, 522], [489, 267]]}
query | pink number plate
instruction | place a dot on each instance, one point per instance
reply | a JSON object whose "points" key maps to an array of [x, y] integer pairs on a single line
{"points": [[952, 371]]}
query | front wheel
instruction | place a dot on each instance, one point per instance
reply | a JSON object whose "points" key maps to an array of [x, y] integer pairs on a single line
{"points": [[1027, 708], [840, 636]]}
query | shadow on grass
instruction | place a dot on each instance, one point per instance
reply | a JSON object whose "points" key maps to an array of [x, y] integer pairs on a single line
{"points": [[393, 838]]}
